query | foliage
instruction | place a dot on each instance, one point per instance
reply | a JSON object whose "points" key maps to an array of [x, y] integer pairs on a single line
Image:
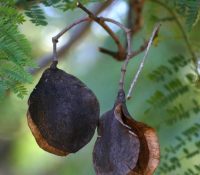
{"points": [[170, 101], [175, 97], [189, 9], [36, 13], [14, 48], [14, 51]]}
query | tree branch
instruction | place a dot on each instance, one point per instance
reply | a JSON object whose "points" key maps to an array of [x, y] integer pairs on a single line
{"points": [[101, 21], [76, 35], [134, 22], [121, 51], [128, 54]]}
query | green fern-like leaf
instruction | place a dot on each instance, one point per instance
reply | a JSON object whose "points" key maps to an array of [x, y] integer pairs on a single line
{"points": [[15, 56], [192, 13], [187, 9], [3, 88], [14, 45], [7, 3], [16, 73], [36, 15], [10, 15], [20, 90], [173, 87], [190, 10]]}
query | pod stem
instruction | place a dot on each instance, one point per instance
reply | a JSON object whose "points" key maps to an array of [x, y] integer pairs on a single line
{"points": [[62, 32]]}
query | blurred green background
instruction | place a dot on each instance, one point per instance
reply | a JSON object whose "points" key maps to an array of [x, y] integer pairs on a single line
{"points": [[175, 119]]}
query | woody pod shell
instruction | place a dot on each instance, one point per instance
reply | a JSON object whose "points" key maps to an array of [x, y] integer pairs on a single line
{"points": [[63, 112], [124, 146]]}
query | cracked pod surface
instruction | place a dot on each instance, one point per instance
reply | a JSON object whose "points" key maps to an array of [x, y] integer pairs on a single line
{"points": [[124, 146], [63, 112]]}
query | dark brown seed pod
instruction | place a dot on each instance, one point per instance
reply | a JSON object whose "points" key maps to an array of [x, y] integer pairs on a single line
{"points": [[63, 113], [124, 146]]}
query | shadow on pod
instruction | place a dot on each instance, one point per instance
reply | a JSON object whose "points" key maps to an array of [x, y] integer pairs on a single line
{"points": [[124, 146], [63, 112]]}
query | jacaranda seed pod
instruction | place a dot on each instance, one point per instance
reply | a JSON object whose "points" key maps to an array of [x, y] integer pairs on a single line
{"points": [[124, 146], [63, 112]]}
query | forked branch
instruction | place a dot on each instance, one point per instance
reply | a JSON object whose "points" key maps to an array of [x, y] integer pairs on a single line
{"points": [[122, 53]]}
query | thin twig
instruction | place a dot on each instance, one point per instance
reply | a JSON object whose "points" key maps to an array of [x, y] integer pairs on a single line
{"points": [[121, 50], [70, 26], [55, 57], [130, 17], [114, 54], [131, 54], [125, 29], [128, 55], [119, 56], [62, 32], [75, 36], [154, 33], [101, 21], [124, 66]]}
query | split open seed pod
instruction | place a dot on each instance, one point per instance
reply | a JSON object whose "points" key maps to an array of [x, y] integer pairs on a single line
{"points": [[63, 112], [124, 146]]}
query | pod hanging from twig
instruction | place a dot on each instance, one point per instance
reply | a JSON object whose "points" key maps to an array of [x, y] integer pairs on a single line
{"points": [[124, 146], [63, 112]]}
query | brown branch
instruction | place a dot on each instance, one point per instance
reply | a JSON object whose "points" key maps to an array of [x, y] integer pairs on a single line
{"points": [[128, 55], [75, 36], [113, 54], [119, 56], [101, 21], [134, 22], [121, 51], [133, 54]]}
